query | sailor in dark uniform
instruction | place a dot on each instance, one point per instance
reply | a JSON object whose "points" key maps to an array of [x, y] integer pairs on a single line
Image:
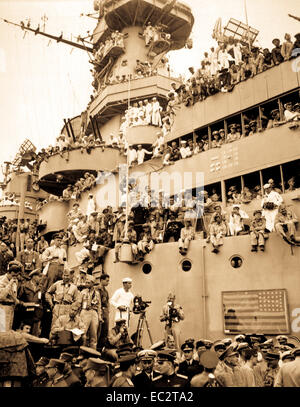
{"points": [[168, 377], [189, 367], [143, 380]]}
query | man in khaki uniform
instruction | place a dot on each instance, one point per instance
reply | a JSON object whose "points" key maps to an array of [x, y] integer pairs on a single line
{"points": [[54, 371], [127, 371], [61, 295], [91, 312], [96, 372], [8, 295]]}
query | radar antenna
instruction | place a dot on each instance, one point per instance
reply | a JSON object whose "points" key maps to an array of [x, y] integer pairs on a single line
{"points": [[52, 37]]}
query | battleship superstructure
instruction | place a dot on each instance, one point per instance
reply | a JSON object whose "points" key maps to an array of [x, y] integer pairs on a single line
{"points": [[200, 278]]}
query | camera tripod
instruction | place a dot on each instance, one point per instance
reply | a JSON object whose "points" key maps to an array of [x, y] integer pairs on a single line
{"points": [[138, 335]]}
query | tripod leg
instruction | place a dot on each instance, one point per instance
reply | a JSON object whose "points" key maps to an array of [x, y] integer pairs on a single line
{"points": [[139, 332], [149, 333]]}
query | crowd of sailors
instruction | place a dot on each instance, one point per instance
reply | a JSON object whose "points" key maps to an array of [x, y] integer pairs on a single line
{"points": [[62, 318], [154, 219], [230, 63]]}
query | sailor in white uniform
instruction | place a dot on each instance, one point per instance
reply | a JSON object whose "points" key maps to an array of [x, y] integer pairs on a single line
{"points": [[122, 300], [270, 204]]}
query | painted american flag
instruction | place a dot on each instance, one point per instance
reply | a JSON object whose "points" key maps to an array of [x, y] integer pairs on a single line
{"points": [[259, 311]]}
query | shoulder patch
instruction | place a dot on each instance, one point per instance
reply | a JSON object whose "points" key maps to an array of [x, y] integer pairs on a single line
{"points": [[157, 378], [182, 376]]}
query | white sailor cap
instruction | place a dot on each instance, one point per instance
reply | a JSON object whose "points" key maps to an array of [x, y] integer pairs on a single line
{"points": [[126, 280], [267, 186]]}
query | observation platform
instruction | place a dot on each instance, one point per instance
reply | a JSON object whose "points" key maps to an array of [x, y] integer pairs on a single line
{"points": [[176, 16], [113, 99], [76, 166]]}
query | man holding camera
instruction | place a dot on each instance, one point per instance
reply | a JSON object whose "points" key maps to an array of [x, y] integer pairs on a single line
{"points": [[29, 258], [118, 336], [122, 299], [8, 295], [270, 204], [172, 314]]}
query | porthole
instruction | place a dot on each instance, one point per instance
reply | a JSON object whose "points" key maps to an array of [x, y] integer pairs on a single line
{"points": [[236, 261], [186, 265], [146, 268]]}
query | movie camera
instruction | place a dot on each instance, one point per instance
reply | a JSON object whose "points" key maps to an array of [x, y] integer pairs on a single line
{"points": [[139, 305]]}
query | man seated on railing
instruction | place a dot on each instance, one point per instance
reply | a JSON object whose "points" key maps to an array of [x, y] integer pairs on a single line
{"points": [[145, 244], [285, 222], [236, 220], [217, 231], [257, 231], [186, 235]]}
